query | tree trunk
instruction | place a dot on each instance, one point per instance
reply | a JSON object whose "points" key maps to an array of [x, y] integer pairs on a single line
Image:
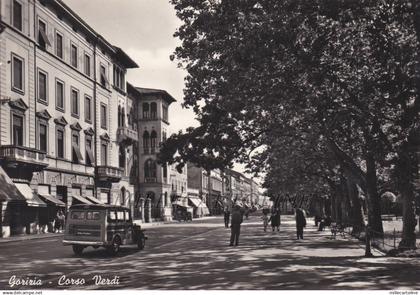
{"points": [[345, 203], [356, 215], [373, 198], [406, 169]]}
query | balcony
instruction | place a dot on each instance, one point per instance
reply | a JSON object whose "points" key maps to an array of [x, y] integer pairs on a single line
{"points": [[108, 173], [126, 135], [23, 157]]}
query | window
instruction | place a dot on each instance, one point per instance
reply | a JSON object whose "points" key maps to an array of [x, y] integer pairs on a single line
{"points": [[89, 152], [75, 102], [103, 116], [153, 137], [112, 215], [59, 95], [122, 117], [60, 143], [73, 56], [146, 139], [76, 155], [165, 113], [78, 215], [145, 110], [88, 109], [17, 15], [42, 87], [17, 130], [150, 169], [121, 157], [104, 152], [59, 45], [164, 135], [119, 79], [87, 65], [120, 215], [93, 215], [153, 110], [43, 40], [43, 137], [17, 73], [104, 79]]}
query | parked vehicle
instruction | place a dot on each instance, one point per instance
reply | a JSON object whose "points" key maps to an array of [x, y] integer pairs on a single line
{"points": [[183, 214], [106, 226]]}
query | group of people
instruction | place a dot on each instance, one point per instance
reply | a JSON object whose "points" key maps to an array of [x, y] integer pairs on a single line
{"points": [[274, 219]]}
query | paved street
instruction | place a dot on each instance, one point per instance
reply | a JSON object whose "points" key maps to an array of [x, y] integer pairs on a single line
{"points": [[197, 256]]}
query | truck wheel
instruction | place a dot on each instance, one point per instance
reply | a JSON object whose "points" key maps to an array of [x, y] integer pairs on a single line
{"points": [[78, 249], [141, 243], [115, 247]]}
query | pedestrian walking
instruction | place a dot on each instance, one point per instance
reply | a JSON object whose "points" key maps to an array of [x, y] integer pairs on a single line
{"points": [[235, 226], [59, 222], [227, 217], [275, 219], [265, 220], [300, 223]]}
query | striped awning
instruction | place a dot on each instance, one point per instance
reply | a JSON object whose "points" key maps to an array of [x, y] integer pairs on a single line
{"points": [[31, 198], [52, 200], [8, 190]]}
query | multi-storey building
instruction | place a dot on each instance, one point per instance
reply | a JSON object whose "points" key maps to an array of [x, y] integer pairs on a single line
{"points": [[179, 188], [153, 184], [62, 140], [198, 186], [215, 199]]}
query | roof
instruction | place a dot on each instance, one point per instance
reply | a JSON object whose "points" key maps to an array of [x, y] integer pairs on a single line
{"points": [[127, 61], [150, 91], [116, 52]]}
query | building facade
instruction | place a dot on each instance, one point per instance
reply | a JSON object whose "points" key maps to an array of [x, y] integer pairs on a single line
{"points": [[65, 134], [198, 186], [153, 189]]}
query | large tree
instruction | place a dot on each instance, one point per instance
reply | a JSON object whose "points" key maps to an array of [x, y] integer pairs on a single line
{"points": [[257, 68]]}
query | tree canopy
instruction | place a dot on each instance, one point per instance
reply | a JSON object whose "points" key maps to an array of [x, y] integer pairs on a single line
{"points": [[304, 91]]}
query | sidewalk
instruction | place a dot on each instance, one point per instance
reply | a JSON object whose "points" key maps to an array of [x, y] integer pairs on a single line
{"points": [[30, 237]]}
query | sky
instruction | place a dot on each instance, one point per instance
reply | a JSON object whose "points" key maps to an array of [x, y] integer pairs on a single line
{"points": [[144, 30]]}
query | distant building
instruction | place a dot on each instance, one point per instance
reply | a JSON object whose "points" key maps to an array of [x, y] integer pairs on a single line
{"points": [[198, 181]]}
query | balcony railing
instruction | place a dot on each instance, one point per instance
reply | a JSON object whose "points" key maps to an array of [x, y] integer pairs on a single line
{"points": [[26, 155], [126, 134], [109, 173]]}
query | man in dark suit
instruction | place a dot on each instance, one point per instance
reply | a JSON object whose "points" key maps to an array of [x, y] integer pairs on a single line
{"points": [[235, 226]]}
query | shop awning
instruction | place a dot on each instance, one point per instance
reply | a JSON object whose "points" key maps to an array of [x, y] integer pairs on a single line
{"points": [[8, 190], [31, 198], [51, 199], [197, 202], [93, 200], [82, 199]]}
